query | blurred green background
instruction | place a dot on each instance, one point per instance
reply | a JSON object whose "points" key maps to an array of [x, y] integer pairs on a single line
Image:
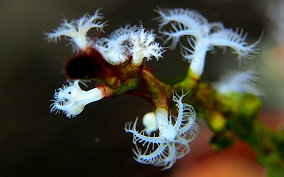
{"points": [[36, 143]]}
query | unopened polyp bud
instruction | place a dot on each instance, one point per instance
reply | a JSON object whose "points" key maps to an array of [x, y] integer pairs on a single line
{"points": [[150, 123]]}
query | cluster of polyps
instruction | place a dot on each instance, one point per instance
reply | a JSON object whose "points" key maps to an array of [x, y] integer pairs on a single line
{"points": [[165, 137], [127, 41], [122, 43]]}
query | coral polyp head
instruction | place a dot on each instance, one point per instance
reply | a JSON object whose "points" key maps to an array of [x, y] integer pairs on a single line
{"points": [[114, 48], [77, 30], [143, 45], [202, 36], [172, 141], [71, 99]]}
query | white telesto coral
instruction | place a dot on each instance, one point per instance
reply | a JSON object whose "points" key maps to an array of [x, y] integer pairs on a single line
{"points": [[77, 30], [175, 134], [239, 82], [72, 99], [202, 36]]}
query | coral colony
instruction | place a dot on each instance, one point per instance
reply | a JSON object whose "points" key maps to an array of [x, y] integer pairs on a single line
{"points": [[117, 64]]}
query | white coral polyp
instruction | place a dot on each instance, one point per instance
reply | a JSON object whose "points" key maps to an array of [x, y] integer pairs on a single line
{"points": [[72, 99], [174, 136], [143, 46], [77, 30], [129, 41], [202, 36], [238, 82], [114, 48]]}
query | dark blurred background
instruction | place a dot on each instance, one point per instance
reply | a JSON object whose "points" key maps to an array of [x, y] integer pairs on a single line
{"points": [[37, 143]]}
